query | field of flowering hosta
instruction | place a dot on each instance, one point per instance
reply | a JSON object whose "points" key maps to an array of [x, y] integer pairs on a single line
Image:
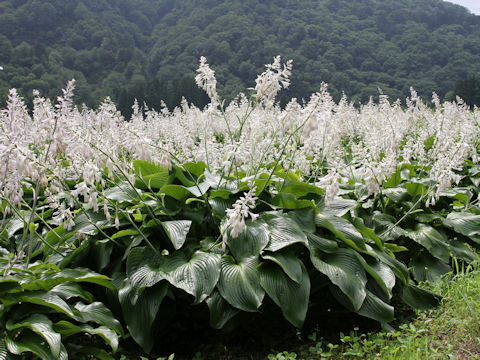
{"points": [[109, 225]]}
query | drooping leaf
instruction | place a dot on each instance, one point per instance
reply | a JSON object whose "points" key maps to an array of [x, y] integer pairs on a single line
{"points": [[418, 298], [42, 326], [434, 241], [143, 267], [339, 207], [290, 264], [42, 298], [31, 342], [374, 308], [70, 290], [197, 276], [428, 268], [140, 314], [291, 296], [97, 313], [464, 223], [177, 231], [67, 329], [342, 229], [122, 193], [344, 270], [239, 283], [220, 310]]}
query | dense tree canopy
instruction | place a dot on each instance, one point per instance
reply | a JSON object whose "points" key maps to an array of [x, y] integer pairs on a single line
{"points": [[149, 49]]}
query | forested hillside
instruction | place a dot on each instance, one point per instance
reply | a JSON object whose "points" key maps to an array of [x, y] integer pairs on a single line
{"points": [[149, 49]]}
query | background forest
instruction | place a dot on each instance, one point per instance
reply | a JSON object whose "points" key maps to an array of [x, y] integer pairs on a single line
{"points": [[149, 49]]}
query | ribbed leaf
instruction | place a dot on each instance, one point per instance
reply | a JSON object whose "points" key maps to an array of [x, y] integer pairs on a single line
{"points": [[239, 283], [427, 268], [283, 232], [287, 260], [68, 329], [31, 342], [381, 273], [344, 270], [143, 267], [251, 241], [197, 276], [139, 315], [374, 308], [220, 310], [326, 245], [339, 207], [398, 267], [292, 297], [41, 325], [342, 229], [98, 313], [419, 299], [177, 231], [49, 300], [122, 193], [153, 176], [434, 241], [464, 223]]}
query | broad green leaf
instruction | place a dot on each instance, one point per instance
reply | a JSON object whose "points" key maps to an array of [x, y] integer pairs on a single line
{"points": [[42, 326], [418, 298], [367, 232], [239, 283], [140, 315], [385, 226], [68, 329], [374, 308], [143, 267], [427, 268], [342, 229], [123, 233], [220, 205], [177, 231], [289, 263], [461, 251], [398, 267], [251, 241], [49, 300], [197, 276], [339, 207], [464, 223], [220, 310], [396, 194], [305, 219], [415, 189], [144, 168], [178, 192], [122, 193], [31, 342], [381, 273], [290, 202], [199, 189], [434, 241], [344, 270], [283, 232], [326, 245], [195, 168], [291, 296], [300, 189], [70, 290], [98, 313]]}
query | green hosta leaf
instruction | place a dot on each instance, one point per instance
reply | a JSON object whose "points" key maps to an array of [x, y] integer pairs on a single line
{"points": [[143, 267], [177, 231], [339, 207], [434, 241], [464, 223], [398, 267], [381, 273], [342, 229], [305, 219], [300, 189], [49, 300], [374, 308], [140, 314], [415, 189], [283, 232], [344, 270], [239, 283], [427, 268], [41, 325], [461, 251], [419, 299], [68, 329], [178, 192], [251, 241], [386, 228], [123, 233], [291, 296], [220, 310], [122, 193], [287, 260], [290, 201], [199, 189], [326, 245], [220, 205], [197, 276], [98, 313], [195, 168], [31, 342], [70, 290], [367, 232]]}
